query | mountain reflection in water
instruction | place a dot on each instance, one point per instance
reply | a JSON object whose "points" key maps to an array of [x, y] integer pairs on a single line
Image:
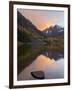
{"points": [[51, 62]]}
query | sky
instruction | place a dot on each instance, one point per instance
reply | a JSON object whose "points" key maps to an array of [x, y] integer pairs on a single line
{"points": [[43, 19]]}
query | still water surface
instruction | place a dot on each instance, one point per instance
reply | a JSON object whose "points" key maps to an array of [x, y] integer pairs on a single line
{"points": [[51, 62]]}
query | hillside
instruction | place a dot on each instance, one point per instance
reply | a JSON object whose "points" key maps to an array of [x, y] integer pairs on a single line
{"points": [[27, 32]]}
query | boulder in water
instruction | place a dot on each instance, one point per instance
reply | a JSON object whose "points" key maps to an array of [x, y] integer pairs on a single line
{"points": [[38, 74]]}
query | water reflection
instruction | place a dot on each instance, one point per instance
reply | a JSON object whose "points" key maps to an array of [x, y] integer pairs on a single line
{"points": [[56, 54], [51, 62]]}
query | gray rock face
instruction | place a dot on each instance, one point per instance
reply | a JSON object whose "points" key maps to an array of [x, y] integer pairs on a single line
{"points": [[38, 74]]}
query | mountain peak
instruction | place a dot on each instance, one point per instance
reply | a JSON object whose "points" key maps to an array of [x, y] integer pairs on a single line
{"points": [[57, 27], [54, 30]]}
